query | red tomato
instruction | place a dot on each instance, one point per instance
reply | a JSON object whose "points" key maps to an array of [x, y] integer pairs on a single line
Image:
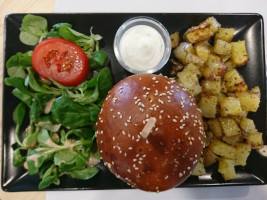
{"points": [[61, 60]]}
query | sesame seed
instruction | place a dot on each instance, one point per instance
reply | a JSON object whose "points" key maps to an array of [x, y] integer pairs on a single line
{"points": [[174, 120]]}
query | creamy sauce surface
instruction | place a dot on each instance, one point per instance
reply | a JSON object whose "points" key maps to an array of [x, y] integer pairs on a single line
{"points": [[142, 47]]}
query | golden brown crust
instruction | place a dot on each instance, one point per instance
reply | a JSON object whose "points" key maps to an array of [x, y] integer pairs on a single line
{"points": [[168, 155]]}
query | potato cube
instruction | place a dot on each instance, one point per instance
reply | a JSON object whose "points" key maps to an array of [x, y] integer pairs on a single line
{"points": [[239, 53], [230, 64], [230, 106], [190, 82], [222, 149], [225, 34], [233, 140], [209, 157], [208, 106], [215, 127], [249, 101], [220, 96], [234, 81], [175, 39], [214, 24], [255, 140], [227, 168], [199, 169], [229, 126], [199, 33], [222, 48], [248, 125], [203, 50], [242, 153], [211, 86], [181, 51], [214, 67], [193, 69]]}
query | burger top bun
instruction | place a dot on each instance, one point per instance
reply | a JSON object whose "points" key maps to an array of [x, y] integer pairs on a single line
{"points": [[150, 132]]}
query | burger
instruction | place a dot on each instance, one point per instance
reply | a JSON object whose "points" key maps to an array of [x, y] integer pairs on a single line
{"points": [[150, 132]]}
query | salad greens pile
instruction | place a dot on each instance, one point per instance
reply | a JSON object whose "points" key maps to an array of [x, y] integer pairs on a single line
{"points": [[60, 137]]}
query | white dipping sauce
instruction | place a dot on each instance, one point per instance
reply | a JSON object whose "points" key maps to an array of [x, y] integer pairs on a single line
{"points": [[142, 47]]}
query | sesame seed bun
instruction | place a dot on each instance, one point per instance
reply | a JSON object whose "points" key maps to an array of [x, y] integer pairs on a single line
{"points": [[150, 132]]}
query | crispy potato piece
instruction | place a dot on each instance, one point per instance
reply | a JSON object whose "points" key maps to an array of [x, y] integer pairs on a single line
{"points": [[222, 48], [182, 50], [225, 34], [233, 140], [209, 157], [215, 127], [175, 39], [214, 24], [208, 106], [189, 81], [227, 168], [255, 140], [248, 126], [234, 81], [230, 64], [203, 50], [214, 67], [230, 106], [249, 101], [242, 153], [222, 149], [199, 169], [239, 53], [199, 33], [229, 126], [193, 69], [211, 86]]}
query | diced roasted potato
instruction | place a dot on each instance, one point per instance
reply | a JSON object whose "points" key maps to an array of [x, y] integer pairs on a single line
{"points": [[220, 96], [175, 39], [242, 153], [239, 53], [211, 86], [222, 48], [182, 50], [227, 168], [230, 64], [199, 33], [214, 67], [215, 127], [248, 126], [203, 50], [234, 81], [233, 140], [255, 140], [249, 101], [193, 69], [199, 169], [208, 106], [222, 149], [229, 126], [225, 34], [230, 106], [214, 24], [190, 82], [209, 157]]}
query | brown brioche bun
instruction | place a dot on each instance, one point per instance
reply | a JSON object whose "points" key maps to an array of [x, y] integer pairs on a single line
{"points": [[150, 132]]}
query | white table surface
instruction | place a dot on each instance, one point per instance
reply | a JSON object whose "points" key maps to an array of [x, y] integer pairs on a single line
{"points": [[164, 6]]}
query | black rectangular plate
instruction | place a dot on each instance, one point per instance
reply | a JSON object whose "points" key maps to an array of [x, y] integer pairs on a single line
{"points": [[248, 27]]}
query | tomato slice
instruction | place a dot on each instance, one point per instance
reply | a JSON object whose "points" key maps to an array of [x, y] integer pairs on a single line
{"points": [[61, 60]]}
